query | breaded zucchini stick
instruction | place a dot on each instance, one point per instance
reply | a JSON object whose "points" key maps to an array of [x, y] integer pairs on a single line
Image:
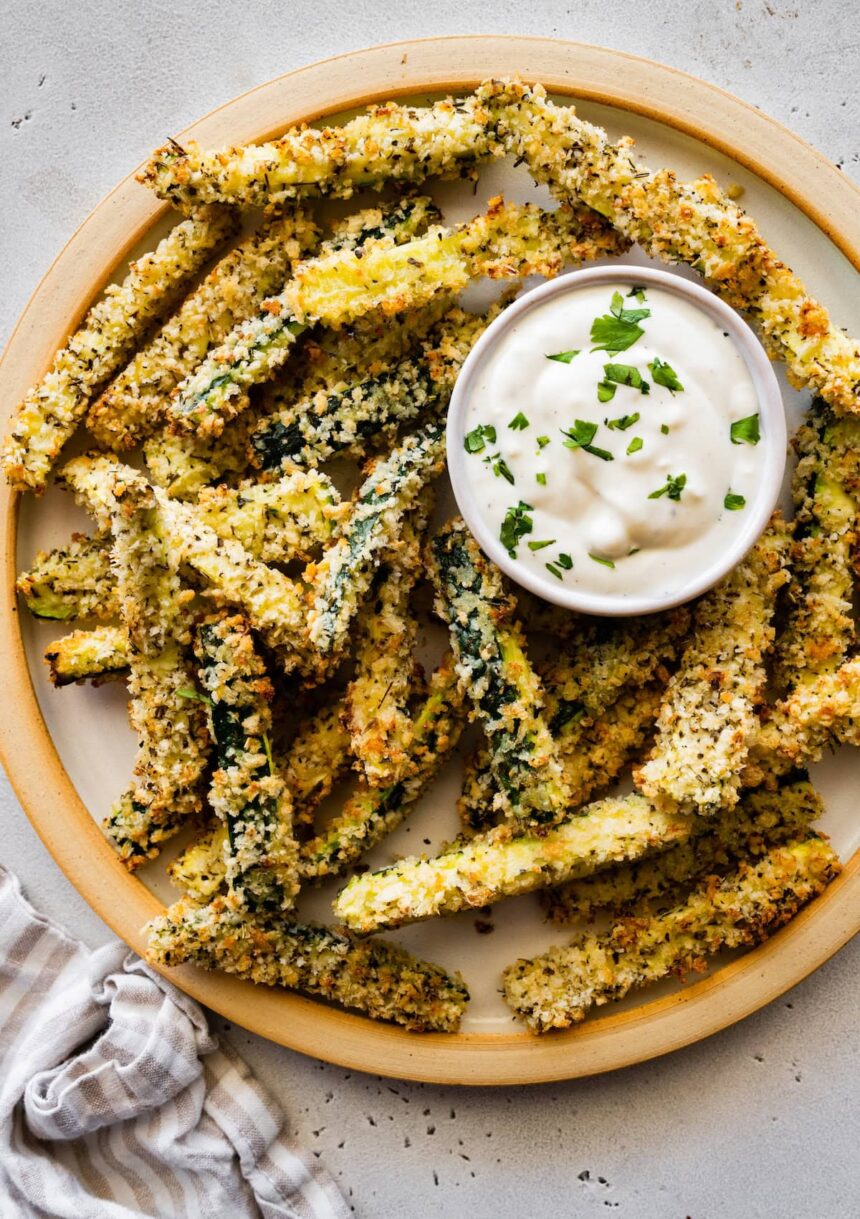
{"points": [[184, 464], [72, 581], [377, 699], [52, 410], [95, 655], [491, 662], [253, 350], [348, 419], [693, 223], [820, 626], [382, 980], [252, 800], [341, 579], [496, 865], [318, 758], [200, 871], [373, 812], [761, 819], [708, 719], [558, 988], [388, 143], [133, 404]]}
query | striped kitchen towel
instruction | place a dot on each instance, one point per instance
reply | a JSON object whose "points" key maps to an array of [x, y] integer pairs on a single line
{"points": [[116, 1101]]}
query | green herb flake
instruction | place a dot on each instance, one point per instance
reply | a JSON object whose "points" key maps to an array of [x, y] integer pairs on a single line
{"points": [[622, 424], [542, 442], [634, 446], [565, 561], [639, 292], [267, 745], [626, 374], [665, 375], [551, 567], [519, 423], [540, 479], [672, 487], [195, 695], [664, 428], [581, 435], [599, 559], [605, 391], [746, 431], [733, 502], [500, 467], [515, 526], [564, 357], [479, 437], [541, 545]]}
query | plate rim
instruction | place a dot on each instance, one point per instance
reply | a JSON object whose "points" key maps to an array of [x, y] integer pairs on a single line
{"points": [[656, 91]]}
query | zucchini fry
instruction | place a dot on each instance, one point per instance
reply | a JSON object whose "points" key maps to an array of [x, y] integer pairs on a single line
{"points": [[348, 419], [253, 351], [373, 812], [760, 820], [558, 988], [344, 574], [377, 698], [71, 581], [200, 871], [51, 410], [382, 980], [251, 799], [95, 655], [819, 631], [693, 223], [708, 722], [491, 662], [389, 143], [318, 758], [133, 404], [496, 865], [183, 464]]}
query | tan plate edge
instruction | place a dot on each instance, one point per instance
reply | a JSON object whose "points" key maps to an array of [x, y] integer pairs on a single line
{"points": [[64, 824]]}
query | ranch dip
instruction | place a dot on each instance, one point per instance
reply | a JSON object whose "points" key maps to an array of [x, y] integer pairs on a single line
{"points": [[612, 440]]}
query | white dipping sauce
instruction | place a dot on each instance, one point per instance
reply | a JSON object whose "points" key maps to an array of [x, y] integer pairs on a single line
{"points": [[589, 508]]}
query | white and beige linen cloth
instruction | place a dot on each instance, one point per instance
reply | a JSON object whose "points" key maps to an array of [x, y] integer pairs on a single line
{"points": [[116, 1101]]}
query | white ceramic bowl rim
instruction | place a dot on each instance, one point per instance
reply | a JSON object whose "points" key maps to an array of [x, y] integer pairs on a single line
{"points": [[773, 431]]}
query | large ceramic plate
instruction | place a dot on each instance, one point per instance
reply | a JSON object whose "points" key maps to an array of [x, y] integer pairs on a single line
{"points": [[69, 753]]}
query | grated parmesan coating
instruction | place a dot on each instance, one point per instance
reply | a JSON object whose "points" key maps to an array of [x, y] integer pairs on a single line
{"points": [[71, 581], [200, 871], [247, 793], [134, 403], [52, 410], [558, 988], [388, 143], [496, 864], [693, 223], [95, 655], [381, 980], [708, 719], [760, 820], [494, 669], [318, 758], [372, 812], [340, 580]]}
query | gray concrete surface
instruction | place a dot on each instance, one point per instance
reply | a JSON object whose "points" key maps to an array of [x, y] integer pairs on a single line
{"points": [[759, 1122]]}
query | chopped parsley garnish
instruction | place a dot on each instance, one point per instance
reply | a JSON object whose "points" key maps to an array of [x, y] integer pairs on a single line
{"points": [[639, 292], [634, 446], [734, 502], [542, 441], [565, 561], [555, 571], [672, 487], [664, 428], [195, 695], [479, 437], [626, 374], [500, 467], [581, 435], [541, 479], [599, 559], [605, 391], [622, 424], [515, 526], [564, 357], [746, 431], [618, 329], [519, 423], [541, 545], [664, 374]]}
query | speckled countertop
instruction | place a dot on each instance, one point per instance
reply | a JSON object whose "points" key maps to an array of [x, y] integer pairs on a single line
{"points": [[758, 1122]]}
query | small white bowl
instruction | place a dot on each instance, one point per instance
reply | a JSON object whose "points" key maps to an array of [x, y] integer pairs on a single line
{"points": [[773, 434]]}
